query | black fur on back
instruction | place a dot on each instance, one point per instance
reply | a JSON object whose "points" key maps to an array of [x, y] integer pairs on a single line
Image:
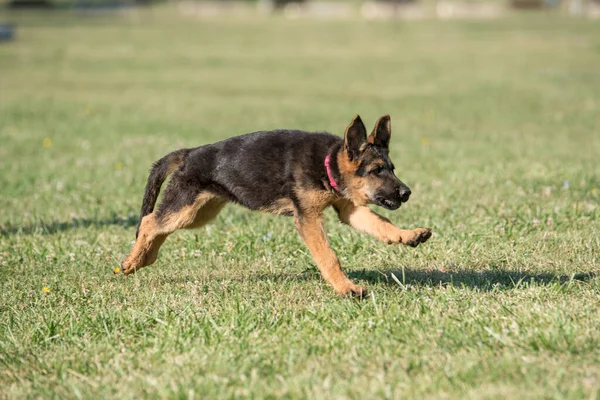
{"points": [[254, 170]]}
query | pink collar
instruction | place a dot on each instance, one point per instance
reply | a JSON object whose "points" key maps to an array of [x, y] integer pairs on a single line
{"points": [[329, 174]]}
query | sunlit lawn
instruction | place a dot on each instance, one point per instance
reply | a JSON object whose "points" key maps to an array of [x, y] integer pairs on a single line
{"points": [[495, 129]]}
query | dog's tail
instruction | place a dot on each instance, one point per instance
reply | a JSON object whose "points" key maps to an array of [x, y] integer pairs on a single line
{"points": [[158, 174]]}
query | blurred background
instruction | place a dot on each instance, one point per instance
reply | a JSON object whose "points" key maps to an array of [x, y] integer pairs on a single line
{"points": [[403, 9], [387, 9]]}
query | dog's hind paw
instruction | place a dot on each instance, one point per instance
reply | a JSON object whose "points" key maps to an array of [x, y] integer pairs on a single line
{"points": [[128, 267]]}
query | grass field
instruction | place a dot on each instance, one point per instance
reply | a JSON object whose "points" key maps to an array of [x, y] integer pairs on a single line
{"points": [[495, 129]]}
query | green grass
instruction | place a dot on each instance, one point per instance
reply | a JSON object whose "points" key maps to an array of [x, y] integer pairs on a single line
{"points": [[490, 120]]}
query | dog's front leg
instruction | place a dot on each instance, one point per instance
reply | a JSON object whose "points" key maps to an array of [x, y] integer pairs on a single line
{"points": [[312, 232], [364, 220]]}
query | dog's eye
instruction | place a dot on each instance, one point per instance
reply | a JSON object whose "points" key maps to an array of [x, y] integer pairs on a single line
{"points": [[377, 170]]}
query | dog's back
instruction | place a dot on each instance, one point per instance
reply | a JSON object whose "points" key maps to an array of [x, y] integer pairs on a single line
{"points": [[258, 169]]}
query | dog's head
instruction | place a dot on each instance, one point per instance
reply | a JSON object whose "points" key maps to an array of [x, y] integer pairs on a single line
{"points": [[366, 168]]}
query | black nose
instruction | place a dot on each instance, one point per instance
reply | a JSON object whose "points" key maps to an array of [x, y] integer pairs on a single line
{"points": [[404, 194]]}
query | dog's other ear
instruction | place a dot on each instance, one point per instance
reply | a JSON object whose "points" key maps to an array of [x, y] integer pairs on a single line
{"points": [[355, 136], [382, 132]]}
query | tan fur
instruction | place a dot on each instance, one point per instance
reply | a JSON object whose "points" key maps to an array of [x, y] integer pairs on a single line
{"points": [[207, 212], [153, 231], [364, 220], [280, 206], [146, 246], [309, 223], [311, 230], [314, 201], [359, 188]]}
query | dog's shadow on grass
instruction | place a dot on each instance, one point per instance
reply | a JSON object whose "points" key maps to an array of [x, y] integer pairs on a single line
{"points": [[50, 228], [487, 280], [482, 280]]}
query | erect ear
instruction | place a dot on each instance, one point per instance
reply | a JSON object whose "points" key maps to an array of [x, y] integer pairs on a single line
{"points": [[382, 132], [355, 136]]}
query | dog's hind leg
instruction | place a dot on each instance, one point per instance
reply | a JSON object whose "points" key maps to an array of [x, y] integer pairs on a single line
{"points": [[175, 212], [147, 243]]}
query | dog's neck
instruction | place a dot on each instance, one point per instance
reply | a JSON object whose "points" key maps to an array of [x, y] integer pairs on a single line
{"points": [[332, 181]]}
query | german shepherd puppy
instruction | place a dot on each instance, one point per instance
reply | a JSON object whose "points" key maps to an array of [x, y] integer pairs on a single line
{"points": [[283, 172]]}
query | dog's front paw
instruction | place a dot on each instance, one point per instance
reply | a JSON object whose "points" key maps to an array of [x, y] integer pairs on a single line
{"points": [[420, 235], [353, 290]]}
